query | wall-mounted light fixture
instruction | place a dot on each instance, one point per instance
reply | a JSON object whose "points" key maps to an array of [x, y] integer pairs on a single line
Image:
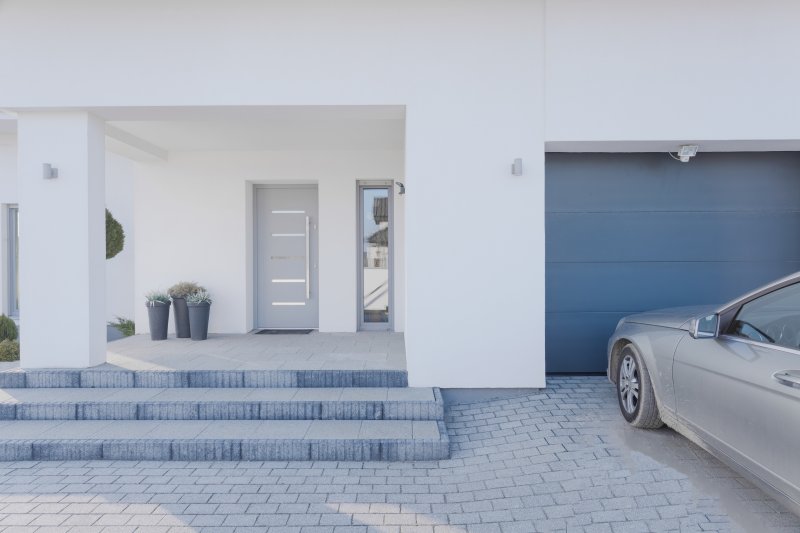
{"points": [[516, 167], [49, 172], [685, 153], [401, 189]]}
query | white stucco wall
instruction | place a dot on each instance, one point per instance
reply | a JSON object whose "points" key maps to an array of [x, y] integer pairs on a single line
{"points": [[194, 222], [8, 196], [469, 76], [119, 198], [622, 70], [482, 83], [8, 169], [62, 239], [119, 270]]}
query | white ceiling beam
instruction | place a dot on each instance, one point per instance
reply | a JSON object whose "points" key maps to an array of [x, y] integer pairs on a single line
{"points": [[129, 145]]}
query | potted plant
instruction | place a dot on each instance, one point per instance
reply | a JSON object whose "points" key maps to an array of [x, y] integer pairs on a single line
{"points": [[199, 305], [158, 314], [180, 312]]}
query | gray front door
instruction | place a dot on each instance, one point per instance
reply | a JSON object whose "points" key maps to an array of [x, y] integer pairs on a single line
{"points": [[286, 252]]}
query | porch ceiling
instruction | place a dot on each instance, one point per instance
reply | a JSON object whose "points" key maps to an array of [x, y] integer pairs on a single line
{"points": [[223, 128]]}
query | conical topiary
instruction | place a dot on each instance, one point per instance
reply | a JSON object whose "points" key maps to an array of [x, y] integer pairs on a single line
{"points": [[9, 350], [115, 236], [8, 329]]}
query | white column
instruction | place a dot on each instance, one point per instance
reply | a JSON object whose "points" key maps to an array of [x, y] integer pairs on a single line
{"points": [[62, 240], [474, 247]]}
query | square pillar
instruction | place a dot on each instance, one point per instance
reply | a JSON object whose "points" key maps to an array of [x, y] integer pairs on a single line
{"points": [[62, 239]]}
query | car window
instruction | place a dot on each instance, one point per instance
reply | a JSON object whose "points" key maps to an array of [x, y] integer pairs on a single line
{"points": [[773, 318]]}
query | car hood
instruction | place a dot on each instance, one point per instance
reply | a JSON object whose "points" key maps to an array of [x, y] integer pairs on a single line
{"points": [[675, 317]]}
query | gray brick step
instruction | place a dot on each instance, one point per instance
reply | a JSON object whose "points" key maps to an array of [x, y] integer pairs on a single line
{"points": [[113, 377], [222, 404], [239, 440]]}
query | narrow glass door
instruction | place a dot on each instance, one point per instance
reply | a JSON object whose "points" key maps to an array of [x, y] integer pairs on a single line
{"points": [[375, 228]]}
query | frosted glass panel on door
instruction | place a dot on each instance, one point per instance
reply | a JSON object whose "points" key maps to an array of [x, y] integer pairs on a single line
{"points": [[375, 250]]}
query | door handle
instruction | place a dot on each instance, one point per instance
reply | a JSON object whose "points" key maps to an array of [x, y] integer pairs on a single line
{"points": [[308, 258], [790, 378]]}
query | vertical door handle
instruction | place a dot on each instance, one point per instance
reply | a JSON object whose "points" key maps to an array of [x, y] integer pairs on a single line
{"points": [[308, 258]]}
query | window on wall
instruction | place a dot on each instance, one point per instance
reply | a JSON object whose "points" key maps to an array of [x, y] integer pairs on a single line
{"points": [[13, 261]]}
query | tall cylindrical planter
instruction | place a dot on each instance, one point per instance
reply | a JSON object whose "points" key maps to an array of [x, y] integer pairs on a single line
{"points": [[198, 320], [158, 315], [180, 313]]}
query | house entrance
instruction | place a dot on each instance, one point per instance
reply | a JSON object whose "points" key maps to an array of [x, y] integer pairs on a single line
{"points": [[286, 265]]}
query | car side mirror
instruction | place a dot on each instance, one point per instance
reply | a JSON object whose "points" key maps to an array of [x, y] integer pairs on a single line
{"points": [[706, 327]]}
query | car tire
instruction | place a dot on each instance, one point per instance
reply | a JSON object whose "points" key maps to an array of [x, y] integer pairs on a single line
{"points": [[637, 400]]}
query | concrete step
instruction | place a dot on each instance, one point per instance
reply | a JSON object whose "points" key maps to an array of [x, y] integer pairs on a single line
{"points": [[238, 440], [222, 404], [121, 378]]}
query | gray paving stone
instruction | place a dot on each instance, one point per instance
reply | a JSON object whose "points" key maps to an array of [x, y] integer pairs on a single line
{"points": [[106, 378], [12, 379], [8, 411], [52, 378], [495, 480], [202, 378], [106, 411], [67, 450], [160, 379], [46, 411]]}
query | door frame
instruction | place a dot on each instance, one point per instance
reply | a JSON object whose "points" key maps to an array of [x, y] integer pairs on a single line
{"points": [[360, 186], [257, 244]]}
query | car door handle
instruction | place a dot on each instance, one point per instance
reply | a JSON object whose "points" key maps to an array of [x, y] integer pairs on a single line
{"points": [[790, 378]]}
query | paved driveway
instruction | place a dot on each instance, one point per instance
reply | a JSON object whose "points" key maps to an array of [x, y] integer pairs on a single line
{"points": [[558, 460]]}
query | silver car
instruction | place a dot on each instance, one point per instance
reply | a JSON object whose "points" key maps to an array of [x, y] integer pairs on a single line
{"points": [[726, 377]]}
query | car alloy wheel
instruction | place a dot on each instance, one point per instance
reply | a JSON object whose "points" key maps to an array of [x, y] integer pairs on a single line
{"points": [[629, 384], [637, 399]]}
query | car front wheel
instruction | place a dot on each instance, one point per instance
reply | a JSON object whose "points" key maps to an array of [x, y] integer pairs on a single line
{"points": [[637, 401]]}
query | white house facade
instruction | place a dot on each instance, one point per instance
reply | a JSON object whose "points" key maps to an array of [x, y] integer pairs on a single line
{"points": [[495, 179]]}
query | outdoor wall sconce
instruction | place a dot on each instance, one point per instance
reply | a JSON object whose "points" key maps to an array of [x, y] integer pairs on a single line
{"points": [[516, 167], [49, 172], [401, 189]]}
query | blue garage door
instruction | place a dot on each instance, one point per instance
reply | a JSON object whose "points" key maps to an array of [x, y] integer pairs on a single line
{"points": [[633, 232]]}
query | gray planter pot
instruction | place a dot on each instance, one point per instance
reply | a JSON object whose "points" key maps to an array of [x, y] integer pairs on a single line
{"points": [[158, 315], [198, 320], [180, 314]]}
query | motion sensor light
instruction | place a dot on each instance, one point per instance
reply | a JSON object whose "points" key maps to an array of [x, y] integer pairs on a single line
{"points": [[686, 152]]}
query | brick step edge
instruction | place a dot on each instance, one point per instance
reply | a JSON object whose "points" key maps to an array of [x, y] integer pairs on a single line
{"points": [[229, 450], [228, 410], [20, 379]]}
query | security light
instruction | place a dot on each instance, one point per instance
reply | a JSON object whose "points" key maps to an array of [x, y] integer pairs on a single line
{"points": [[686, 152]]}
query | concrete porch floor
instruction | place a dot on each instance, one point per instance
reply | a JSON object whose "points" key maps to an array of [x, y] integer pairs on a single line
{"points": [[314, 351]]}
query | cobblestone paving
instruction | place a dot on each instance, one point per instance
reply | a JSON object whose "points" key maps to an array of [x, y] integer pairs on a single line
{"points": [[556, 460]]}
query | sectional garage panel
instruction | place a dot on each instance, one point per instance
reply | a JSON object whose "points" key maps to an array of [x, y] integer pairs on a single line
{"points": [[633, 232]]}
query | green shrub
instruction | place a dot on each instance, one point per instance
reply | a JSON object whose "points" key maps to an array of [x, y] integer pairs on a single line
{"points": [[183, 289], [9, 350], [126, 326], [115, 236], [8, 329]]}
